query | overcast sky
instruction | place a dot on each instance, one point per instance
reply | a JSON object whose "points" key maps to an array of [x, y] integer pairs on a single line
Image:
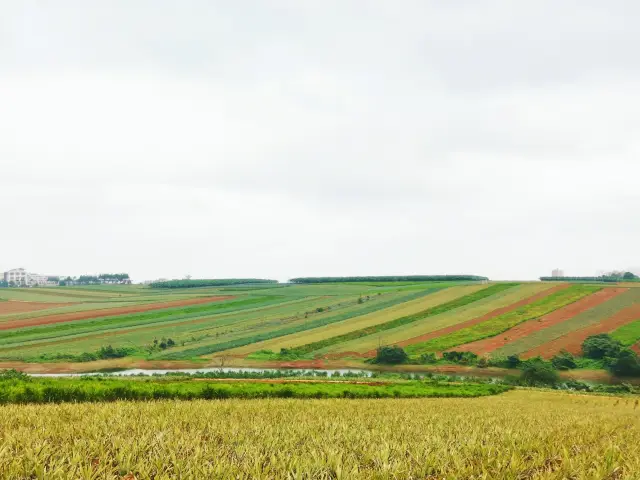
{"points": [[345, 137]]}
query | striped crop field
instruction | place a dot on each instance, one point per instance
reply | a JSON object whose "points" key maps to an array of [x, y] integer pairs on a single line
{"points": [[451, 320], [301, 325], [501, 323], [320, 345], [367, 316], [628, 311], [525, 335], [571, 322]]}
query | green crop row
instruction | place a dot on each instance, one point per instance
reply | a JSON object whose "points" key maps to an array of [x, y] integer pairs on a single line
{"points": [[105, 390], [628, 334], [398, 322], [241, 342], [501, 323]]}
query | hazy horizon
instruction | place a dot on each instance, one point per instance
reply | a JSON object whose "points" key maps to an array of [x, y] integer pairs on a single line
{"points": [[284, 139]]}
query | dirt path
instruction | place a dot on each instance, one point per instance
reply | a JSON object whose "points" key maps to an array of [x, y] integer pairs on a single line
{"points": [[572, 342], [460, 326], [12, 306], [488, 345], [68, 317]]}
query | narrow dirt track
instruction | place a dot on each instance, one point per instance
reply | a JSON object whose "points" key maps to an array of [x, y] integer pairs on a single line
{"points": [[572, 342], [11, 306], [488, 345], [468, 323], [68, 317]]}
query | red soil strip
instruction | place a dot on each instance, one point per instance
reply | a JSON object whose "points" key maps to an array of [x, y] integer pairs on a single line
{"points": [[68, 317], [488, 345], [636, 348], [459, 326], [572, 342], [23, 307]]}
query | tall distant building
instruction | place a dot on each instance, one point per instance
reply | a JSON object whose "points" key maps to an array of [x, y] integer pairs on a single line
{"points": [[557, 273]]}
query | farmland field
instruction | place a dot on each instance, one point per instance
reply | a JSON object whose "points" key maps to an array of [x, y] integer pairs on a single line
{"points": [[522, 434], [322, 325]]}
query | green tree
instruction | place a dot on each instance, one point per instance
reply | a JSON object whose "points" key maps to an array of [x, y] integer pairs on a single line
{"points": [[537, 372], [564, 361], [391, 355], [428, 358], [601, 346], [629, 276], [626, 364], [513, 361]]}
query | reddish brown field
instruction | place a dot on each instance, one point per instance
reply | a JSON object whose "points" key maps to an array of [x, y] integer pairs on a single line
{"points": [[636, 347], [24, 307], [68, 317], [573, 341], [488, 345]]}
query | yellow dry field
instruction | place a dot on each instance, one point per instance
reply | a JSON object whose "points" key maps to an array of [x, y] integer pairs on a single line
{"points": [[356, 323], [523, 434], [447, 319]]}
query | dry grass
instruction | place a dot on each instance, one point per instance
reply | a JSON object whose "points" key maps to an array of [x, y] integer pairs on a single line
{"points": [[518, 435]]}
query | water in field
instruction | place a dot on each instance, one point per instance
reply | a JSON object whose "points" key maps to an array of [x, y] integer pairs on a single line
{"points": [[139, 371]]}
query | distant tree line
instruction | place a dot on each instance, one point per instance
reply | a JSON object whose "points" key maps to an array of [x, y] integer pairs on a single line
{"points": [[96, 279], [113, 277], [209, 283], [611, 278], [399, 278]]}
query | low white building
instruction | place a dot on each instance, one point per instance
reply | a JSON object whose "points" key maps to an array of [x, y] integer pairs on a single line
{"points": [[17, 276], [21, 278]]}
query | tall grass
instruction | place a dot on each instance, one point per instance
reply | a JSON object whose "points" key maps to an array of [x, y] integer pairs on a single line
{"points": [[519, 435]]}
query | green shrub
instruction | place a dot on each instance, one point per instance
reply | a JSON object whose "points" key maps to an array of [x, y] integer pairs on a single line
{"points": [[391, 355], [463, 358], [626, 364], [537, 372], [428, 358], [601, 346], [564, 361]]}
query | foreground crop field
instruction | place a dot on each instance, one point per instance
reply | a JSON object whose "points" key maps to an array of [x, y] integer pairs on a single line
{"points": [[521, 434]]}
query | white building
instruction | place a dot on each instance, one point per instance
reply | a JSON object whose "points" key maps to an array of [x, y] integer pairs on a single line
{"points": [[557, 273], [20, 277], [17, 276]]}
